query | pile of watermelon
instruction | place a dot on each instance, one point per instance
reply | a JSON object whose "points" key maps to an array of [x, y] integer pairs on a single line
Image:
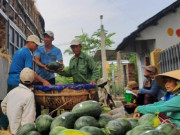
{"points": [[86, 118]]}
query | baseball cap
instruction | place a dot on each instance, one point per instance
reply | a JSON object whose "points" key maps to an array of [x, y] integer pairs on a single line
{"points": [[49, 33], [34, 39], [27, 76], [75, 42]]}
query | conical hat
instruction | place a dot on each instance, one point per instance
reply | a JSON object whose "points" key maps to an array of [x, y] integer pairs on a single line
{"points": [[173, 74]]}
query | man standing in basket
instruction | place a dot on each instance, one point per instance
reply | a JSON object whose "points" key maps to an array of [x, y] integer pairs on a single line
{"points": [[44, 55], [82, 67]]}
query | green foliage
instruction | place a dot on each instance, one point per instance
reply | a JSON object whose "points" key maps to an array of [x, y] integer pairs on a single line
{"points": [[64, 80], [133, 60], [90, 44]]}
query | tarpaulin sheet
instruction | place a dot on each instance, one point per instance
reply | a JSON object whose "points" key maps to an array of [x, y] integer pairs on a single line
{"points": [[61, 87]]}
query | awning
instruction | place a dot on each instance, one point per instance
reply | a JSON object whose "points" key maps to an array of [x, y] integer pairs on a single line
{"points": [[110, 55]]}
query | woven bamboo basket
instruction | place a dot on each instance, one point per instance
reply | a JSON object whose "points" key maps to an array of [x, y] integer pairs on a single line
{"points": [[68, 97]]}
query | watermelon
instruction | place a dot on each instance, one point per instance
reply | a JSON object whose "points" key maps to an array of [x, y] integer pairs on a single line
{"points": [[73, 132], [87, 108], [66, 119], [57, 130], [168, 129], [43, 123], [133, 122], [129, 132], [104, 119], [147, 119], [33, 133], [92, 130], [153, 132], [140, 129], [25, 129], [114, 127], [54, 66], [126, 125], [85, 121]]}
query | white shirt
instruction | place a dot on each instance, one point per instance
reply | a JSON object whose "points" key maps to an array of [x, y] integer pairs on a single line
{"points": [[19, 106]]}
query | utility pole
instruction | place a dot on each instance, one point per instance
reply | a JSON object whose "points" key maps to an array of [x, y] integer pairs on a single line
{"points": [[103, 54]]}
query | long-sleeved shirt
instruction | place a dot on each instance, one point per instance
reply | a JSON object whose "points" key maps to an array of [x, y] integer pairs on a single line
{"points": [[82, 70], [170, 107], [19, 106], [154, 90]]}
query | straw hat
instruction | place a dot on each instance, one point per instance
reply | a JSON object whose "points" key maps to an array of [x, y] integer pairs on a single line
{"points": [[131, 85], [173, 74]]}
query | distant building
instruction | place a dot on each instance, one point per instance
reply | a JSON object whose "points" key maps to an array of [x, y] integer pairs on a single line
{"points": [[160, 32]]}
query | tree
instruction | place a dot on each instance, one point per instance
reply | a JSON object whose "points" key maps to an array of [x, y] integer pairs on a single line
{"points": [[90, 44]]}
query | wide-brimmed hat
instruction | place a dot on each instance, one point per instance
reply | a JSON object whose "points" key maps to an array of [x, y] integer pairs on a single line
{"points": [[172, 74], [131, 85], [35, 39]]}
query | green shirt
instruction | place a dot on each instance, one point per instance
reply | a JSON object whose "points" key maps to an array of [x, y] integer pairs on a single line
{"points": [[170, 107], [82, 70]]}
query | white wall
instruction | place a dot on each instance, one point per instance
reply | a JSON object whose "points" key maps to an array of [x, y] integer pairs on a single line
{"points": [[159, 31]]}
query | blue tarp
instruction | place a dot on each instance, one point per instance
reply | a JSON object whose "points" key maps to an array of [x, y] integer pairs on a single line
{"points": [[61, 87]]}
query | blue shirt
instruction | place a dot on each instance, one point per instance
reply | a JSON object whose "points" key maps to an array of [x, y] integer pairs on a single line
{"points": [[21, 59], [46, 57]]}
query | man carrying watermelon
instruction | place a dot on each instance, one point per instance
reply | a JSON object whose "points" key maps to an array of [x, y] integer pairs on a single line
{"points": [[43, 56], [19, 104], [169, 105], [81, 67]]}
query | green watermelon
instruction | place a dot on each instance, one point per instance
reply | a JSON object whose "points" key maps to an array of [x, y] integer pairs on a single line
{"points": [[43, 123], [73, 132], [129, 132], [147, 119], [25, 129], [114, 127], [92, 130], [133, 122], [104, 119], [87, 108], [153, 132], [33, 133], [54, 66], [85, 121], [66, 119], [168, 129], [140, 129], [57, 130], [126, 125]]}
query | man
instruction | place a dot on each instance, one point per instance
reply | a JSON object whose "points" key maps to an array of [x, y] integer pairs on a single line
{"points": [[21, 59], [19, 104], [46, 54], [43, 56], [151, 91], [82, 67]]}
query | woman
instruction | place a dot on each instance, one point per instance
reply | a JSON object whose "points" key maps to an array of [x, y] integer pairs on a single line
{"points": [[170, 104]]}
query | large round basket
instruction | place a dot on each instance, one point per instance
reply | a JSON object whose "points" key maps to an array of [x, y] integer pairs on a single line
{"points": [[67, 97]]}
